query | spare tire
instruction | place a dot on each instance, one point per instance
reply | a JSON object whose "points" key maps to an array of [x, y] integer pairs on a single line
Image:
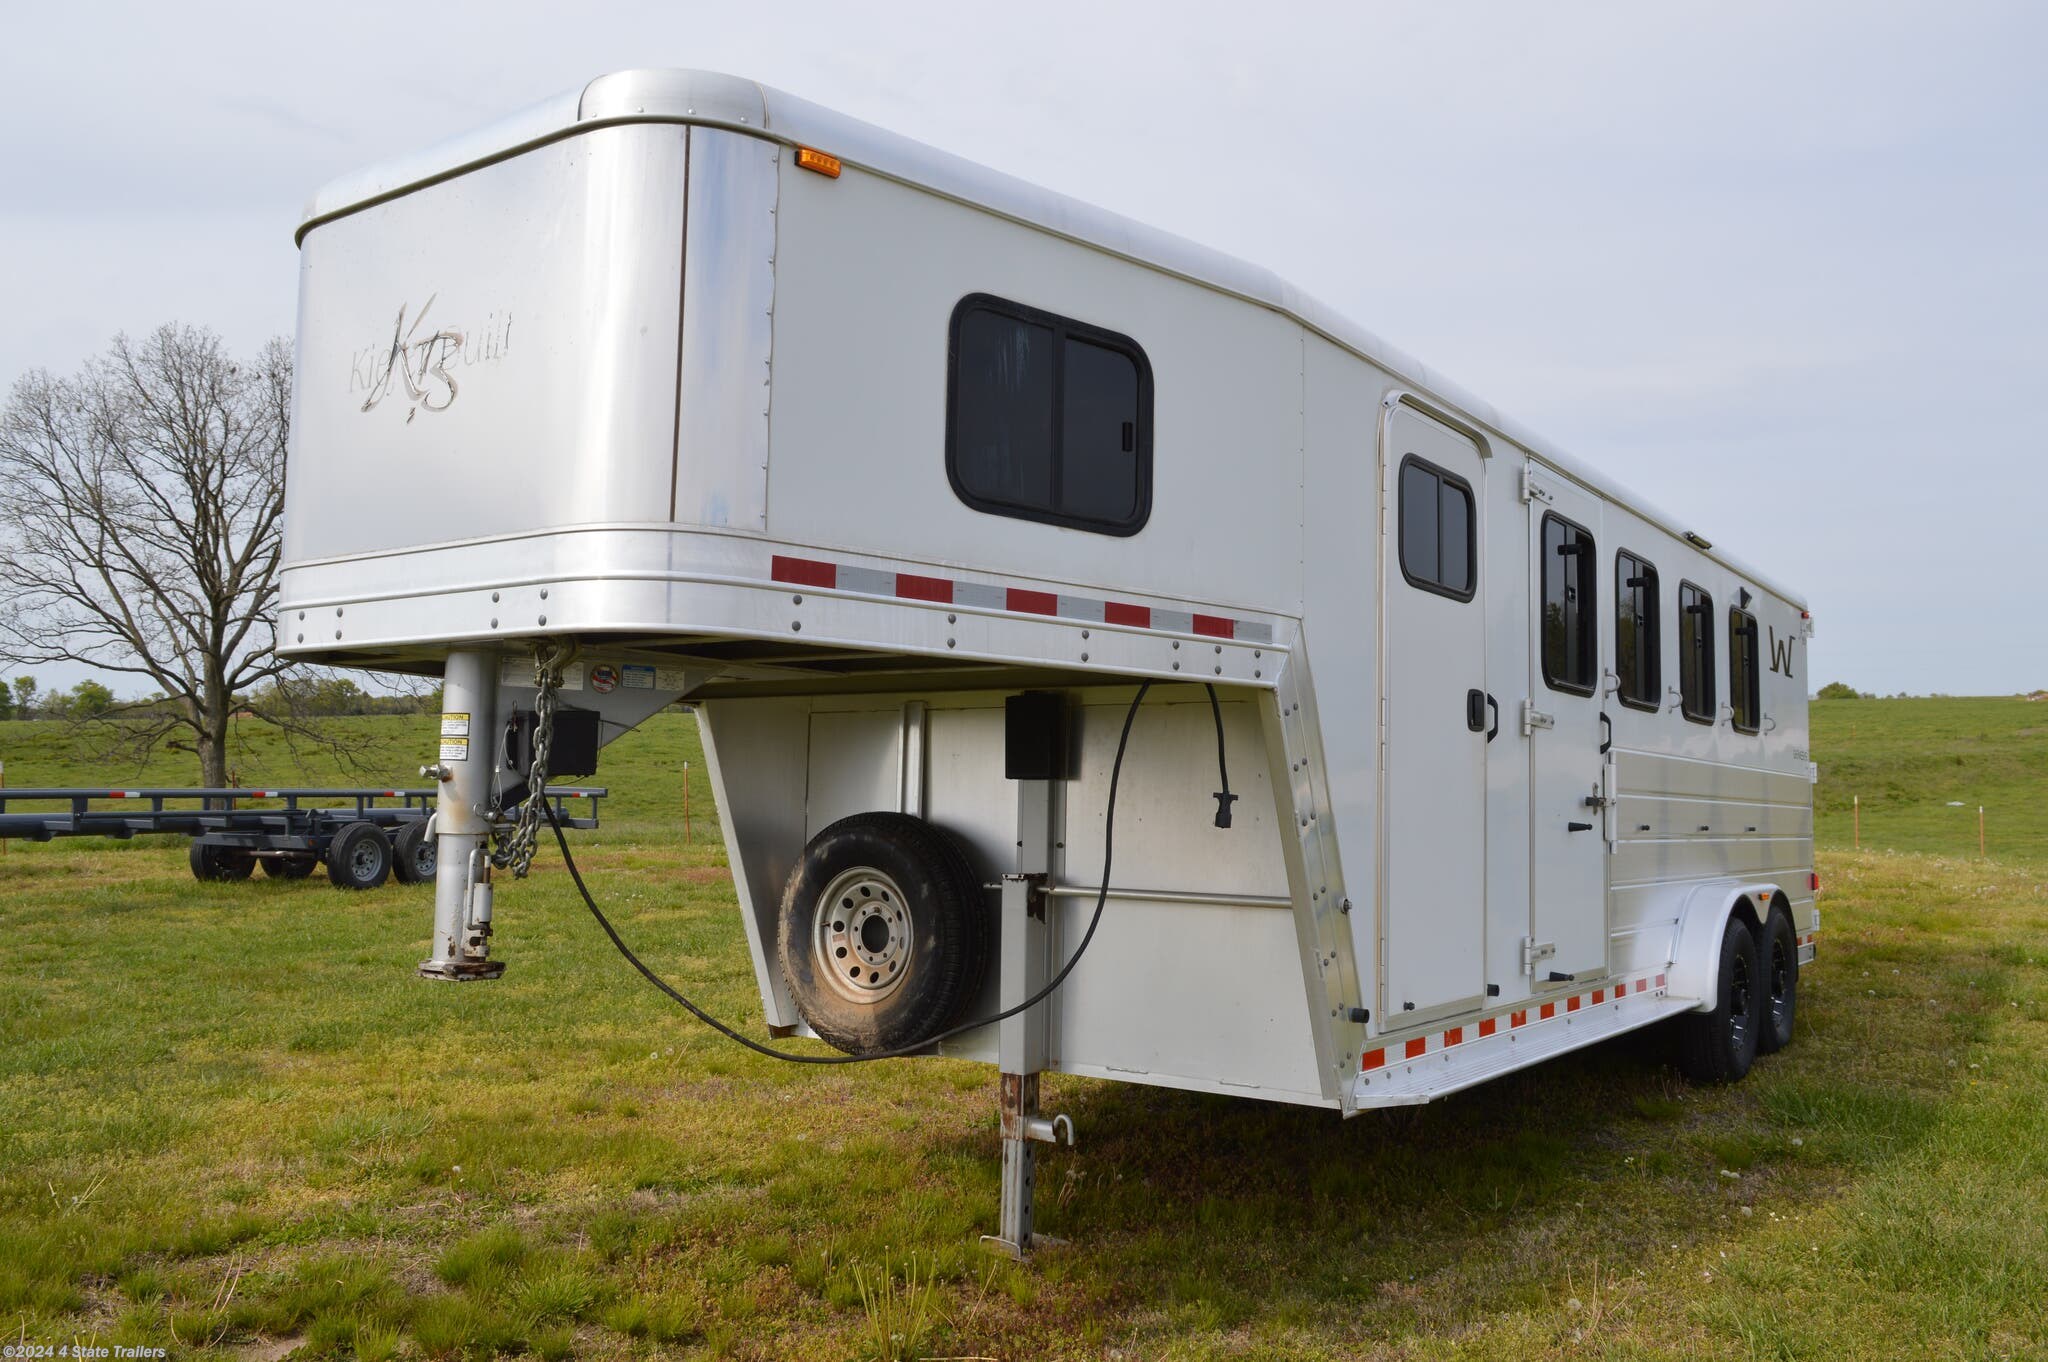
{"points": [[885, 932]]}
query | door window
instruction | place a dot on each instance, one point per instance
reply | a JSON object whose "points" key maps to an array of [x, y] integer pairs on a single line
{"points": [[1437, 543]]}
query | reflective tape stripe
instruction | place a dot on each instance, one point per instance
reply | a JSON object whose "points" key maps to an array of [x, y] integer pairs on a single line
{"points": [[1417, 1047], [911, 586]]}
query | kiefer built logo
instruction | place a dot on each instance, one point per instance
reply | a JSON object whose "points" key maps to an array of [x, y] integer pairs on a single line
{"points": [[419, 366]]}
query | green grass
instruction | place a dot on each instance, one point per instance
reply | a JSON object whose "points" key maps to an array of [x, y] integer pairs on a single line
{"points": [[1922, 768], [231, 1114]]}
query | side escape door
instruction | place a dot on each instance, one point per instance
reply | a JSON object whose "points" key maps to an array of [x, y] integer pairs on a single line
{"points": [[1569, 736], [1434, 726]]}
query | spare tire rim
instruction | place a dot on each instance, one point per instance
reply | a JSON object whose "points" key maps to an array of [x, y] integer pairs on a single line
{"points": [[861, 936]]}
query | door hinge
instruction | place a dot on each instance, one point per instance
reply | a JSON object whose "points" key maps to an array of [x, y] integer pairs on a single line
{"points": [[1534, 953], [1532, 490], [1534, 718]]}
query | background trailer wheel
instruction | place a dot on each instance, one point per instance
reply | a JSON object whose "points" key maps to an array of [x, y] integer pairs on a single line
{"points": [[1778, 955], [884, 935], [358, 857], [290, 867], [218, 863], [1719, 1046], [414, 854]]}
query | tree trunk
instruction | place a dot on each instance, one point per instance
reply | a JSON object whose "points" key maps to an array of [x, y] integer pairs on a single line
{"points": [[213, 750]]}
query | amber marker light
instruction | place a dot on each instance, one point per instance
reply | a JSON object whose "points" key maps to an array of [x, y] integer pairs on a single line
{"points": [[810, 159]]}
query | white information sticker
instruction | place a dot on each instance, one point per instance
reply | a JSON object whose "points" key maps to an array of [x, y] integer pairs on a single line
{"points": [[634, 677], [454, 749], [519, 672], [454, 725], [671, 678]]}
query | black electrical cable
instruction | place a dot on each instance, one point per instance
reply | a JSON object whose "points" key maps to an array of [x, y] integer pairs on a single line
{"points": [[1224, 798], [1101, 897]]}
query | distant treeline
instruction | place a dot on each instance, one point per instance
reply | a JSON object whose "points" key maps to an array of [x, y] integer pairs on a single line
{"points": [[310, 697]]}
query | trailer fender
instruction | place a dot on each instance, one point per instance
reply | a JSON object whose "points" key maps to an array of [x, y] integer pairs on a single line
{"points": [[1696, 946]]}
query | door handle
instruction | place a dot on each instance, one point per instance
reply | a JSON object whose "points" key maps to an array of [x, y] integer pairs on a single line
{"points": [[1606, 727], [1475, 710], [1494, 705], [1578, 827]]}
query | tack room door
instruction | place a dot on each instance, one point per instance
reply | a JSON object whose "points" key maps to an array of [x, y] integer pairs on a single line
{"points": [[1438, 716]]}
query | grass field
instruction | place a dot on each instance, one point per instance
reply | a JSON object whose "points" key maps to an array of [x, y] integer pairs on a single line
{"points": [[1923, 767], [233, 1123]]}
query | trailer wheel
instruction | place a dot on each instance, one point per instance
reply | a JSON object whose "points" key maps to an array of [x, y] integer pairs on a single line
{"points": [[290, 867], [1778, 954], [218, 864], [358, 857], [884, 935], [413, 854], [1719, 1046]]}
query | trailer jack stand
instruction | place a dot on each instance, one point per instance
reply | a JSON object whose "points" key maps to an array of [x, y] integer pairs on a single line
{"points": [[1022, 1126], [462, 877]]}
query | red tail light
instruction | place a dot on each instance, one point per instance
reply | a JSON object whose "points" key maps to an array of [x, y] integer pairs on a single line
{"points": [[1813, 881]]}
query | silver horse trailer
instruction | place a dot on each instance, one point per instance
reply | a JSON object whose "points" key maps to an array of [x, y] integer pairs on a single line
{"points": [[978, 523]]}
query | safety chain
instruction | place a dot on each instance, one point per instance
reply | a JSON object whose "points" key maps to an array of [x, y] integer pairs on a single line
{"points": [[515, 848]]}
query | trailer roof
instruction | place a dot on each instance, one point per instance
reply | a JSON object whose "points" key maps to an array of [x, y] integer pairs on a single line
{"points": [[716, 100]]}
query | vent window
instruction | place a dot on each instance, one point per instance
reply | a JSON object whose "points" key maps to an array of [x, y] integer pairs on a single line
{"points": [[1570, 651], [1638, 638], [1696, 653]]}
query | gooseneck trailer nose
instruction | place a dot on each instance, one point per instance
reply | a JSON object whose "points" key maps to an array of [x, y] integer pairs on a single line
{"points": [[910, 475]]}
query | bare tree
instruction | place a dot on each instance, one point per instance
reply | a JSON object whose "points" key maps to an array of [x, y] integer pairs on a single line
{"points": [[139, 525]]}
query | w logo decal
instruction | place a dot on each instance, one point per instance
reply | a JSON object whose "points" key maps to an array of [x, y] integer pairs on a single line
{"points": [[1781, 654]]}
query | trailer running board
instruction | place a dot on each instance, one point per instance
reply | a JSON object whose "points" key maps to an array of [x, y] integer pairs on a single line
{"points": [[1418, 1069]]}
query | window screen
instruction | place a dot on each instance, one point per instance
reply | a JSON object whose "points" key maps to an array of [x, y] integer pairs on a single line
{"points": [[1637, 641], [1570, 656], [1048, 418], [1696, 653], [1437, 552], [1742, 671]]}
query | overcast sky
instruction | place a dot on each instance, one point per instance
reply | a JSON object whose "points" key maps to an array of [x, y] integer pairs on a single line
{"points": [[1783, 268]]}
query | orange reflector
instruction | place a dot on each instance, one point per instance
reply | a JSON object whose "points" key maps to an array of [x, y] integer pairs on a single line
{"points": [[817, 160]]}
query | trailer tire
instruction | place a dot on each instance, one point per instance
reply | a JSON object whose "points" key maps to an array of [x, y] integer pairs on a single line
{"points": [[217, 864], [290, 867], [884, 936], [1719, 1046], [1778, 959], [358, 857], [414, 854]]}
